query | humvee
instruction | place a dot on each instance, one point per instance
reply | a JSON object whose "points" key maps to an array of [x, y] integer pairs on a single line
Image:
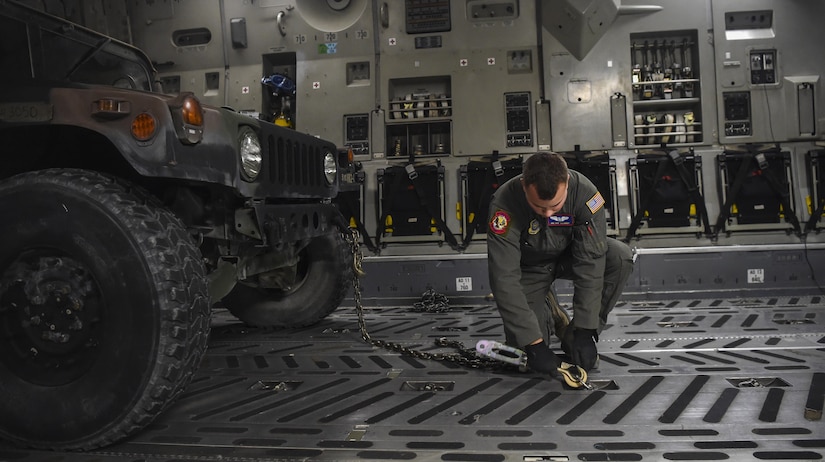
{"points": [[127, 213]]}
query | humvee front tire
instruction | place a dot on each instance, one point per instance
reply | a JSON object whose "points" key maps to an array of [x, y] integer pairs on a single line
{"points": [[104, 309], [324, 275]]}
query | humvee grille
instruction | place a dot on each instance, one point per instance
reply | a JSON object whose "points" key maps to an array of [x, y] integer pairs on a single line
{"points": [[295, 164]]}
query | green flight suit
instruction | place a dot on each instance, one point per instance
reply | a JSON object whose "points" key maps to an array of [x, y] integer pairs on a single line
{"points": [[527, 252]]}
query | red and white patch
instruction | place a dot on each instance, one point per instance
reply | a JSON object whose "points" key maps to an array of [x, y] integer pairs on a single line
{"points": [[500, 222]]}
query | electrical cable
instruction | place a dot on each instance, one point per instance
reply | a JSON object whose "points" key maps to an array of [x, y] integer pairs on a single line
{"points": [[802, 237], [811, 266]]}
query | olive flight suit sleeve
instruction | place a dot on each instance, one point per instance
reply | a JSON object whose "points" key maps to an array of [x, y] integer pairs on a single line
{"points": [[504, 266], [588, 251]]}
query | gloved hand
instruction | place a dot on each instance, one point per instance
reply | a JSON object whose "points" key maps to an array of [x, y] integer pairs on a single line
{"points": [[583, 349], [541, 359]]}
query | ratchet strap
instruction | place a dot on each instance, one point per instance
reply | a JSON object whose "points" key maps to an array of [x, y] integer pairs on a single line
{"points": [[572, 375]]}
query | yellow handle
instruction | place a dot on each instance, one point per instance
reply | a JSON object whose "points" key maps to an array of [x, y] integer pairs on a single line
{"points": [[574, 376]]}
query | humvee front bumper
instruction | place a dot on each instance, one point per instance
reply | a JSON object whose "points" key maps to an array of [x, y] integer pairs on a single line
{"points": [[287, 223]]}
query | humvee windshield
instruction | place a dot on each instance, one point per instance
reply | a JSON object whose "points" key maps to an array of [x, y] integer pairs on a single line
{"points": [[34, 45]]}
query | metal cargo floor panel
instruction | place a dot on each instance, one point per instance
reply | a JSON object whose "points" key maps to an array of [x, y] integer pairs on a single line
{"points": [[691, 379]]}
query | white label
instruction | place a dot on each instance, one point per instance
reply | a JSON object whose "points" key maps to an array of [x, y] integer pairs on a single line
{"points": [[756, 276], [464, 284], [34, 111]]}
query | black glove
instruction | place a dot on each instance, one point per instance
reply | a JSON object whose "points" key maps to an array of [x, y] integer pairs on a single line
{"points": [[583, 350], [541, 359]]}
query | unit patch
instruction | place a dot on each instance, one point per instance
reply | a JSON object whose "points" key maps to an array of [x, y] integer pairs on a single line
{"points": [[534, 227], [500, 222], [595, 203], [560, 220]]}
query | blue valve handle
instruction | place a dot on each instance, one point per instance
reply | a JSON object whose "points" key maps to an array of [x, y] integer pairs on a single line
{"points": [[281, 84]]}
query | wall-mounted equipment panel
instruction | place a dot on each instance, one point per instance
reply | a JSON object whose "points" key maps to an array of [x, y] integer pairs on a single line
{"points": [[485, 52], [518, 112], [419, 117], [736, 113], [421, 139], [425, 16], [669, 42], [765, 66], [357, 133], [666, 89]]}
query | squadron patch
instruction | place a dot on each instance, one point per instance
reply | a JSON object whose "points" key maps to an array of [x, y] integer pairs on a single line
{"points": [[500, 223], [534, 227], [595, 203], [560, 220]]}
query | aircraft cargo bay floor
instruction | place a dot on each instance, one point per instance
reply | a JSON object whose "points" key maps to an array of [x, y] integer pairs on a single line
{"points": [[687, 379]]}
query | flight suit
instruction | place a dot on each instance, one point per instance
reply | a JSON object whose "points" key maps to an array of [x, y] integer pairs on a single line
{"points": [[527, 252]]}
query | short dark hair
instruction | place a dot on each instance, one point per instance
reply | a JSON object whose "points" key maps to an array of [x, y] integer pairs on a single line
{"points": [[546, 170]]}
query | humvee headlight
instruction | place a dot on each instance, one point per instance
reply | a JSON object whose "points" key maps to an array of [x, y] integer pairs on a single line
{"points": [[250, 148], [330, 168]]}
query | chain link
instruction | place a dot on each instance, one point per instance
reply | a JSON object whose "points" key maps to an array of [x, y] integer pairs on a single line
{"points": [[463, 356], [432, 302]]}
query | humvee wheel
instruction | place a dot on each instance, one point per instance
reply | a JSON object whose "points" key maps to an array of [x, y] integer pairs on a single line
{"points": [[324, 276], [104, 309]]}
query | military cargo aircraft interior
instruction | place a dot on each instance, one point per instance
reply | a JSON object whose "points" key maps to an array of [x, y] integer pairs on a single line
{"points": [[429, 230]]}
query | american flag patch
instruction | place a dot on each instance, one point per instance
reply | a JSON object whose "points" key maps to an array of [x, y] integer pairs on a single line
{"points": [[595, 203]]}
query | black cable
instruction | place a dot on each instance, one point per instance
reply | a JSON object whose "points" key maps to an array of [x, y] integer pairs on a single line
{"points": [[803, 236], [811, 266]]}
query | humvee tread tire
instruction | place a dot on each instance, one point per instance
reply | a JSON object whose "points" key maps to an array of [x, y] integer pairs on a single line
{"points": [[324, 277], [135, 285]]}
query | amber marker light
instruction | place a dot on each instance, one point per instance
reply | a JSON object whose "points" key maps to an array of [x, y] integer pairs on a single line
{"points": [[107, 105], [144, 127], [188, 116], [192, 112], [110, 109]]}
